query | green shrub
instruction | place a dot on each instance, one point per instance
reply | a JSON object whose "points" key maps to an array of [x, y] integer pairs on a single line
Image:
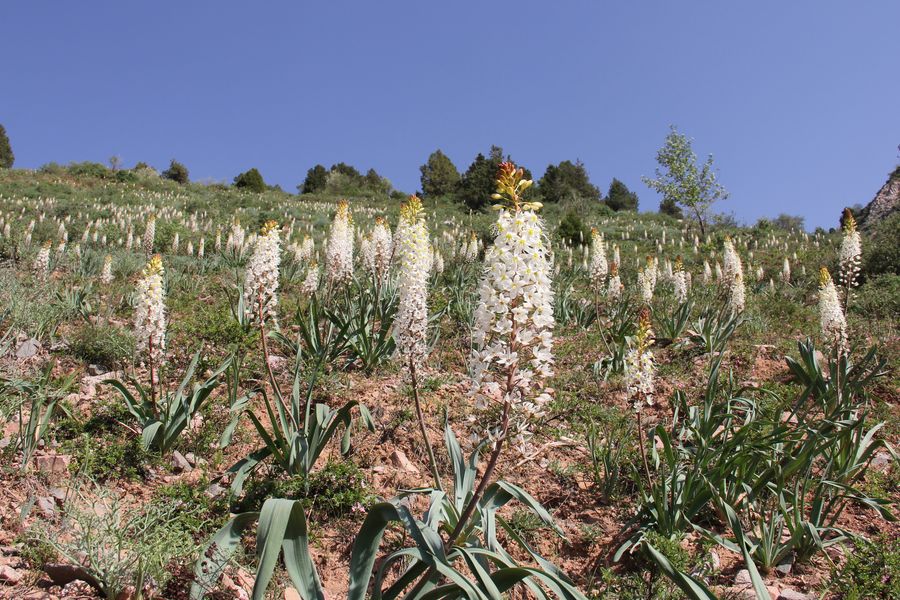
{"points": [[101, 447], [121, 547], [335, 490], [573, 230], [881, 252], [872, 571], [103, 345], [127, 176], [251, 181], [88, 169], [879, 298], [207, 514], [176, 172]]}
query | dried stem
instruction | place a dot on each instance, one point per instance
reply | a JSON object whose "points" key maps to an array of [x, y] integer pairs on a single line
{"points": [[421, 417]]}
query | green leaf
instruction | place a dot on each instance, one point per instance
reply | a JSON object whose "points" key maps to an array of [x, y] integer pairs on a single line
{"points": [[693, 588], [282, 526], [217, 553]]}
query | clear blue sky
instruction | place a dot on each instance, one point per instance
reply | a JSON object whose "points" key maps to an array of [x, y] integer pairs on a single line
{"points": [[798, 101]]}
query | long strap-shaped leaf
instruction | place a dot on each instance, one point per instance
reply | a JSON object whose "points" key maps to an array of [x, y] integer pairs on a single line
{"points": [[282, 526], [758, 586], [365, 549], [217, 553], [693, 588]]}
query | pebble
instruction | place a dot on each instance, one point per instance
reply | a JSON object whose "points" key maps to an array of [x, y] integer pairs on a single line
{"points": [[402, 462], [10, 575], [180, 463], [789, 594]]}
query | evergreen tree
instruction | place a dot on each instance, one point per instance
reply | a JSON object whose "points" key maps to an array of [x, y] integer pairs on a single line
{"points": [[566, 180], [669, 207], [439, 175], [251, 180], [478, 182], [376, 183], [316, 180], [176, 172], [7, 158], [619, 197]]}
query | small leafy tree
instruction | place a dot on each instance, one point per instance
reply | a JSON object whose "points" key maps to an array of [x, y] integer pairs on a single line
{"points": [[7, 158], [566, 180], [619, 197], [439, 175], [176, 172], [680, 179], [251, 180], [316, 180]]}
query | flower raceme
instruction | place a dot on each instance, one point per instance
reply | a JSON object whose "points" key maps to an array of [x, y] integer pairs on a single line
{"points": [[615, 287], [639, 365], [831, 315], [41, 264], [851, 251], [106, 276], [414, 256], [679, 280], [513, 334], [261, 278], [311, 281], [339, 251], [599, 266], [150, 313], [149, 235]]}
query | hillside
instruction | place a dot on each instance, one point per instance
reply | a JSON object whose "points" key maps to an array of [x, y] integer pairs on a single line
{"points": [[696, 427], [885, 203]]}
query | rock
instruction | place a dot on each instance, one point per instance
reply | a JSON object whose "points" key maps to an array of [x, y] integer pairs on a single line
{"points": [[784, 567], [96, 370], [58, 494], [239, 592], [215, 490], [885, 203], [4, 442], [277, 362], [881, 461], [245, 579], [191, 458], [126, 594], [742, 592], [52, 463], [743, 578], [47, 506], [789, 594], [39, 595], [28, 349], [400, 461], [714, 560], [9, 575], [291, 594], [180, 463]]}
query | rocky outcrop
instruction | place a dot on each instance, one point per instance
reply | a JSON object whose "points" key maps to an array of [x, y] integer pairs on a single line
{"points": [[885, 203]]}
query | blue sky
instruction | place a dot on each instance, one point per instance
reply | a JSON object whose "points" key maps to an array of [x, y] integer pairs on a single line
{"points": [[799, 101]]}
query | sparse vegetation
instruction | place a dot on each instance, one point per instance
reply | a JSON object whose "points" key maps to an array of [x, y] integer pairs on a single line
{"points": [[296, 394]]}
